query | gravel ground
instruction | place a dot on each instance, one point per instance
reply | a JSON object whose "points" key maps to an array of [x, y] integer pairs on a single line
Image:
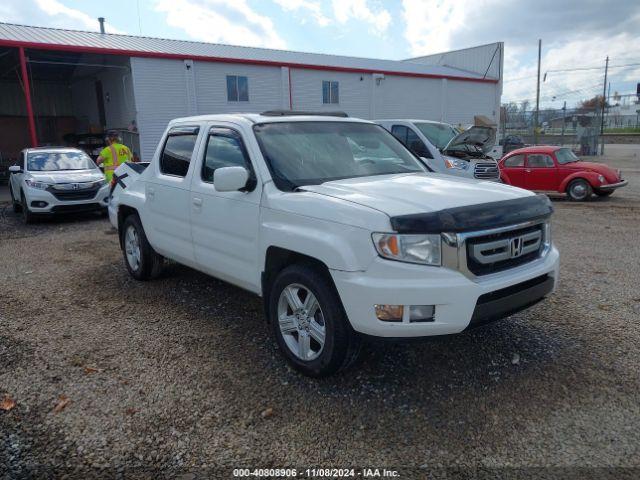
{"points": [[181, 375]]}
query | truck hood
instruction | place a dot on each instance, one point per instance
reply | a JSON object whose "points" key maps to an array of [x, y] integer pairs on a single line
{"points": [[67, 176], [482, 137], [405, 194]]}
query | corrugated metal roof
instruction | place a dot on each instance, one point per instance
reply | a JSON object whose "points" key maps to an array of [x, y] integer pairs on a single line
{"points": [[40, 37]]}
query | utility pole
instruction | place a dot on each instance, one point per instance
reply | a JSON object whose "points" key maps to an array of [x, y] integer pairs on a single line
{"points": [[564, 116], [535, 120], [604, 101]]}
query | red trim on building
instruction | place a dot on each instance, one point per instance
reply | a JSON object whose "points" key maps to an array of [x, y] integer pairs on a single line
{"points": [[176, 56], [27, 96]]}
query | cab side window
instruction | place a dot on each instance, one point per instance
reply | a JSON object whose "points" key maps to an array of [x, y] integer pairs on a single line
{"points": [[539, 160], [225, 148], [177, 151], [411, 140], [515, 161]]}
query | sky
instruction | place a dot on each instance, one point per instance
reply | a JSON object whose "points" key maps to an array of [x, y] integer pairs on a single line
{"points": [[576, 34]]}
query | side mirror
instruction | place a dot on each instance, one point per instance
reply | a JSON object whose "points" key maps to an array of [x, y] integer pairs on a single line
{"points": [[15, 169], [230, 179]]}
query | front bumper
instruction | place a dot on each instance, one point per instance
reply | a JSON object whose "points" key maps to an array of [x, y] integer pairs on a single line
{"points": [[55, 205], [612, 186], [460, 302]]}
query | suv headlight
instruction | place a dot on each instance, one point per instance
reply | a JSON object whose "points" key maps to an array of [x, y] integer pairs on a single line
{"points": [[38, 185], [99, 183], [456, 163], [422, 249]]}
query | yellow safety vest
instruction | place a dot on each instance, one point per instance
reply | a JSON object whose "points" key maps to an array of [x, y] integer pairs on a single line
{"points": [[117, 151]]}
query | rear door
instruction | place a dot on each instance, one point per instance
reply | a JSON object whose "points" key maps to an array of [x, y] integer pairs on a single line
{"points": [[168, 195], [541, 173], [225, 225], [513, 170]]}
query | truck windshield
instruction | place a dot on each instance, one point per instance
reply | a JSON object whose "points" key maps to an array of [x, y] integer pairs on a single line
{"points": [[51, 161], [311, 153], [439, 134], [565, 155]]}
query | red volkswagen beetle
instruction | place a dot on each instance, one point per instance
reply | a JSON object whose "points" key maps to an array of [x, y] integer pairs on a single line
{"points": [[557, 169]]}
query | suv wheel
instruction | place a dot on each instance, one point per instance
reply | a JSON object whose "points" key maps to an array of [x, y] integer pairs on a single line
{"points": [[17, 206], [579, 190], [27, 215], [309, 323], [142, 262]]}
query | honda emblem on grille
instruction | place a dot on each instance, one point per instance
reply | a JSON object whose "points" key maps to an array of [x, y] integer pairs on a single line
{"points": [[516, 245], [75, 186]]}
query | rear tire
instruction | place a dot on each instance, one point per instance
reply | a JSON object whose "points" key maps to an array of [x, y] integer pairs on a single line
{"points": [[141, 260], [27, 216], [602, 193], [579, 190], [309, 322]]}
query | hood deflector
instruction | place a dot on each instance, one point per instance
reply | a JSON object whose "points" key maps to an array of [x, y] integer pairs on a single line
{"points": [[476, 217]]}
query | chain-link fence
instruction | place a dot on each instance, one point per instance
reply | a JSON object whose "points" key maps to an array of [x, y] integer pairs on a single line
{"points": [[577, 128]]}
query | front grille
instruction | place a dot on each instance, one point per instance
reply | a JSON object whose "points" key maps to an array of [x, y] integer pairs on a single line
{"points": [[501, 251], [486, 171], [76, 194]]}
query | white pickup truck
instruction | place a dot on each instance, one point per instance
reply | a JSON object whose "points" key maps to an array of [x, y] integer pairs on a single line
{"points": [[342, 231]]}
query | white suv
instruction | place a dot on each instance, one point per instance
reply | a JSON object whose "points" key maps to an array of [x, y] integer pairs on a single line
{"points": [[340, 229], [51, 180], [447, 150]]}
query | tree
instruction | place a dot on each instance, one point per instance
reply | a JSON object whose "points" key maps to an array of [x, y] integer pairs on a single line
{"points": [[591, 104]]}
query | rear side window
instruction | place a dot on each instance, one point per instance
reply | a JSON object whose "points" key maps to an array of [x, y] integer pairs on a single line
{"points": [[539, 160], [515, 161], [177, 151], [224, 149]]}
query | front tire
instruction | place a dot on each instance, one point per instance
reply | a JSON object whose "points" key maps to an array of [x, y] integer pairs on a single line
{"points": [[17, 206], [27, 216], [309, 322], [579, 190], [141, 260]]}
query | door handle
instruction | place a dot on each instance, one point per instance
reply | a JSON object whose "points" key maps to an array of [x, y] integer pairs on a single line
{"points": [[528, 170], [197, 201], [151, 192]]}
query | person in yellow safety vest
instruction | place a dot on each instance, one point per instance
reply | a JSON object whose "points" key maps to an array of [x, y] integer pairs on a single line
{"points": [[113, 155]]}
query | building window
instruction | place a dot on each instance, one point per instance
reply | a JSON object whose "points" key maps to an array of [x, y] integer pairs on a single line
{"points": [[237, 88], [330, 92]]}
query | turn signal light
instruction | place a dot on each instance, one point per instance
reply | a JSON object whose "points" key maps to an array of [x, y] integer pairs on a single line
{"points": [[389, 313]]}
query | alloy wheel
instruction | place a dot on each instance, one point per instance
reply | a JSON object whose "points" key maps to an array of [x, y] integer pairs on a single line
{"points": [[132, 247], [301, 322]]}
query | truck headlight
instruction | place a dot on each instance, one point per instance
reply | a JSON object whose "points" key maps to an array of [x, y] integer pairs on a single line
{"points": [[38, 185], [422, 249], [455, 163]]}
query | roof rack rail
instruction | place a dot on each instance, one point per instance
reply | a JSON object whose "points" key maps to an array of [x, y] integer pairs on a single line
{"points": [[287, 113]]}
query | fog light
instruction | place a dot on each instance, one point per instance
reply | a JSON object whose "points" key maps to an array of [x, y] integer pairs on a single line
{"points": [[39, 204], [389, 313], [421, 313]]}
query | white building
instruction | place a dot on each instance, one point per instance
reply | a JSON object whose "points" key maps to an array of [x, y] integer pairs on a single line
{"points": [[81, 82]]}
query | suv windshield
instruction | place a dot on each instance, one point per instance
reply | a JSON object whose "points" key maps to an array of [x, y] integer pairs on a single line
{"points": [[439, 134], [310, 153], [565, 155], [65, 160]]}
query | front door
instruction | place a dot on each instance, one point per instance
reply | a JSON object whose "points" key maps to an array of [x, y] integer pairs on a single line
{"points": [[541, 173], [168, 196], [225, 225]]}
